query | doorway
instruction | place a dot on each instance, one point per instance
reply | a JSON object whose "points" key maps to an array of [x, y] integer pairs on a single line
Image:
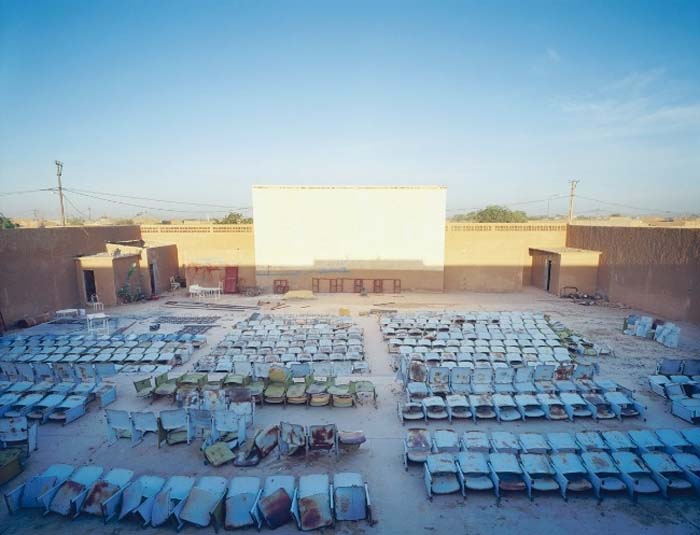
{"points": [[152, 276], [548, 274], [90, 287], [231, 280]]}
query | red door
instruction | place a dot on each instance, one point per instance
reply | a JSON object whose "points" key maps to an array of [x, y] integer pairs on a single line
{"points": [[231, 280]]}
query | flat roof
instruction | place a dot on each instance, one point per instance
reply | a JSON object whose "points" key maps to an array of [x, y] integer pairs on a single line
{"points": [[108, 255], [345, 187], [563, 250]]}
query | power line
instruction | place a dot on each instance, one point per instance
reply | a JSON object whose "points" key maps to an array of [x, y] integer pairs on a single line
{"points": [[186, 203], [144, 206], [80, 212], [519, 203], [22, 192], [629, 207]]}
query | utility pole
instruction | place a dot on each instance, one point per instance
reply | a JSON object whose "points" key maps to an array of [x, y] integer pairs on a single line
{"points": [[59, 172], [572, 183]]}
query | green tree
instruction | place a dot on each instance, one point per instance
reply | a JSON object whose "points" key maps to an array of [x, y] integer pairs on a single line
{"points": [[124, 222], [234, 218], [75, 221], [493, 214], [7, 223]]}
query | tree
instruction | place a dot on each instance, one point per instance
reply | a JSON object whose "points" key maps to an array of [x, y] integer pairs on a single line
{"points": [[234, 218], [7, 223], [75, 221], [493, 214], [124, 222]]}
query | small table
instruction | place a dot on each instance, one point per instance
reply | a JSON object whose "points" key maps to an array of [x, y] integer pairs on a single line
{"points": [[98, 323]]}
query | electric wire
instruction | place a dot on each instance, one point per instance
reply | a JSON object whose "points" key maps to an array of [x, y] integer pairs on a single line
{"points": [[186, 203]]}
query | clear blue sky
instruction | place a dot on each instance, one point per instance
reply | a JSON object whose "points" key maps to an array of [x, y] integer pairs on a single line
{"points": [[502, 102]]}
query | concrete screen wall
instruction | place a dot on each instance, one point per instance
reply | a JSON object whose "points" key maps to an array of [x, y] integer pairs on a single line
{"points": [[350, 232]]}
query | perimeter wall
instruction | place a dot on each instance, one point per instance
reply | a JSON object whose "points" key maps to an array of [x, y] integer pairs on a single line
{"points": [[37, 267], [650, 268]]}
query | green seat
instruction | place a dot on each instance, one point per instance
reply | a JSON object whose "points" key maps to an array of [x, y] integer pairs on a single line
{"points": [[144, 388], [165, 386], [275, 393], [297, 393]]}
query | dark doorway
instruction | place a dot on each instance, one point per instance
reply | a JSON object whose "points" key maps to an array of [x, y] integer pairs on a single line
{"points": [[231, 280], [548, 274], [152, 276], [90, 288]]}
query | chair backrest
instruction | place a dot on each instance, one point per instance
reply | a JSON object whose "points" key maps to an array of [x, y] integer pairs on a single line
{"points": [[583, 371], [145, 421], [64, 372], [417, 371], [9, 370], [342, 369], [300, 370], [460, 375], [43, 370], [143, 385], [544, 372], [173, 419], [226, 421], [439, 375], [524, 374], [322, 437], [26, 371], [322, 370], [160, 379], [86, 372], [261, 370], [200, 418], [14, 429], [482, 375], [244, 368], [279, 374], [118, 419], [504, 375]]}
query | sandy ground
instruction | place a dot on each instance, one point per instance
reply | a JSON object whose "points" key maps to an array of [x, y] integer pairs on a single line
{"points": [[398, 496]]}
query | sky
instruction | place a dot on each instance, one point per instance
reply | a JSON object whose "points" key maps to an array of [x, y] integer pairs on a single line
{"points": [[503, 102]]}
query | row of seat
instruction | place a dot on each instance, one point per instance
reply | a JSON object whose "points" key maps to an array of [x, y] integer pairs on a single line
{"points": [[419, 442], [688, 368], [21, 347], [467, 318], [508, 408], [638, 462], [64, 402], [89, 340], [175, 426], [599, 472], [225, 362], [209, 500], [180, 353], [287, 338], [274, 385], [481, 344], [480, 360], [421, 380]]}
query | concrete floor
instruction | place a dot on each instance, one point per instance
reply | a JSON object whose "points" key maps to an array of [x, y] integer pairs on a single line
{"points": [[398, 497]]}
